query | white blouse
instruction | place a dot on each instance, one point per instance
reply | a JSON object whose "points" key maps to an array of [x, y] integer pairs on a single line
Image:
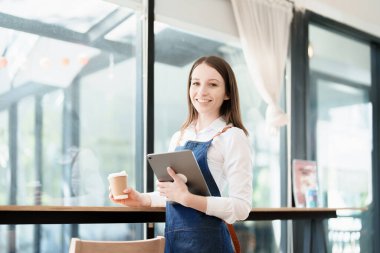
{"points": [[230, 163]]}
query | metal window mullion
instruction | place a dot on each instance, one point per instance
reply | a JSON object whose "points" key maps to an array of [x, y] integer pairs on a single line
{"points": [[299, 73], [375, 99], [75, 132], [149, 68], [139, 116], [13, 155], [70, 138], [38, 164]]}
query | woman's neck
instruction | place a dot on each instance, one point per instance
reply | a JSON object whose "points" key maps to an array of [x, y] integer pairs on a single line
{"points": [[204, 121]]}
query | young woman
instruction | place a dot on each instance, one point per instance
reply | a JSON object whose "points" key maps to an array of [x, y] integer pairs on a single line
{"points": [[218, 139]]}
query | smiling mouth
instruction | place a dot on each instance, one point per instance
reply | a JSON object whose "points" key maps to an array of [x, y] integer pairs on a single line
{"points": [[203, 100]]}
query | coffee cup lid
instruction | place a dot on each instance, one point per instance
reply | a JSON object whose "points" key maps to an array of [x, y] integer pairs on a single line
{"points": [[117, 174]]}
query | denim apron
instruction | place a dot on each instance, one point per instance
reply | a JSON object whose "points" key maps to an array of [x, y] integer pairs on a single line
{"points": [[189, 230]]}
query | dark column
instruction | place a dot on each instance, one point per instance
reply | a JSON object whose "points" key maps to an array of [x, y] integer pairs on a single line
{"points": [[375, 98], [150, 103]]}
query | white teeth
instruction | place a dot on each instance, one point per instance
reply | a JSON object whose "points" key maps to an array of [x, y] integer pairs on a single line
{"points": [[203, 100]]}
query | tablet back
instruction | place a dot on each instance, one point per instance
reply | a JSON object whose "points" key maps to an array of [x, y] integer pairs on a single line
{"points": [[182, 162]]}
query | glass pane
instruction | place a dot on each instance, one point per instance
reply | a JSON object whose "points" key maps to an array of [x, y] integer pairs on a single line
{"points": [[3, 234], [76, 106], [339, 56], [4, 157], [52, 176], [107, 131], [56, 238], [176, 50], [24, 239], [73, 15], [344, 144], [341, 119], [68, 82], [344, 235], [26, 162]]}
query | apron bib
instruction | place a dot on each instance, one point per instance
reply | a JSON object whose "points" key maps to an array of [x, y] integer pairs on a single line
{"points": [[189, 230]]}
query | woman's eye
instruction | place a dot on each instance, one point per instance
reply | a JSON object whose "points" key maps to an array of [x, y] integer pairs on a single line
{"points": [[194, 83], [213, 84]]}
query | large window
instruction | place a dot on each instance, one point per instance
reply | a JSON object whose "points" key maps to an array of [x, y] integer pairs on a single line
{"points": [[340, 118], [341, 115], [68, 81]]}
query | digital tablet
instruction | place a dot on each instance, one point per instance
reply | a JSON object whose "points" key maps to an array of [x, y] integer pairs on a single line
{"points": [[182, 162]]}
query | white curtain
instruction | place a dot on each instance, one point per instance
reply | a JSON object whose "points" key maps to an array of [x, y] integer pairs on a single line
{"points": [[264, 27]]}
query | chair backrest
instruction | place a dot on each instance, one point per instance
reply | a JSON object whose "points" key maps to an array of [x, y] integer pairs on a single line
{"points": [[155, 245]]}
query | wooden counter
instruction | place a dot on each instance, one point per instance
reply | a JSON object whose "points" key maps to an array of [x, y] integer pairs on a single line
{"points": [[97, 214]]}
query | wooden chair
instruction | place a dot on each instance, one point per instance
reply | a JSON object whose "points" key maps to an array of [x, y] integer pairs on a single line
{"points": [[155, 245]]}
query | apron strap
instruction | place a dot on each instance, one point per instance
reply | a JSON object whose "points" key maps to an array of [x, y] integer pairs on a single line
{"points": [[217, 134], [220, 132], [234, 238]]}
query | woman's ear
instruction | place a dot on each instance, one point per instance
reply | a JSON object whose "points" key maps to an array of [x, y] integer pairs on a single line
{"points": [[226, 97]]}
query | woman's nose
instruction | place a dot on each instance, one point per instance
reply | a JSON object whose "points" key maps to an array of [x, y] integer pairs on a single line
{"points": [[202, 89]]}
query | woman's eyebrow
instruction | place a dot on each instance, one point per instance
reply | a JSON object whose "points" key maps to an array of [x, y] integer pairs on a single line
{"points": [[211, 79]]}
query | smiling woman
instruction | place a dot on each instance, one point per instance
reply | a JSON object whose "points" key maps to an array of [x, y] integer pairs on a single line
{"points": [[215, 134], [181, 49]]}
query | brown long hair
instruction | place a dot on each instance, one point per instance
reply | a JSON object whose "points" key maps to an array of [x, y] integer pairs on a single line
{"points": [[230, 108]]}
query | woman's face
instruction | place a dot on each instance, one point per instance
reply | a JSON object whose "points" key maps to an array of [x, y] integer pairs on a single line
{"points": [[207, 90]]}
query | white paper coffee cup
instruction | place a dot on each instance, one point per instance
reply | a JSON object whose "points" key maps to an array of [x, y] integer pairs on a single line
{"points": [[118, 183]]}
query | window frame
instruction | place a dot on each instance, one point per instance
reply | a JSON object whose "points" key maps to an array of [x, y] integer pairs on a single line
{"points": [[301, 141]]}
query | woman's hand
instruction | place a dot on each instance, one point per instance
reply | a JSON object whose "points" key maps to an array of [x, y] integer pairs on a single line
{"points": [[135, 198], [174, 191]]}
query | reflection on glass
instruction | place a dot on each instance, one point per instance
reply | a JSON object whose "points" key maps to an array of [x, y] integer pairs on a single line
{"points": [[339, 56], [125, 32], [344, 144], [53, 241], [4, 158], [68, 87], [73, 15], [341, 114], [26, 162], [24, 239], [343, 119], [107, 129], [176, 50], [52, 176]]}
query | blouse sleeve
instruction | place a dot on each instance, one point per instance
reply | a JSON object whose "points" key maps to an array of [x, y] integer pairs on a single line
{"points": [[238, 169], [173, 141]]}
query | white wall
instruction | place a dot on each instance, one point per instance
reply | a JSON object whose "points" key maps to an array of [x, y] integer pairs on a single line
{"points": [[217, 15], [208, 17], [363, 15]]}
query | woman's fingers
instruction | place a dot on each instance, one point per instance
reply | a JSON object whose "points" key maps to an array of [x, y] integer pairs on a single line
{"points": [[176, 176], [172, 173]]}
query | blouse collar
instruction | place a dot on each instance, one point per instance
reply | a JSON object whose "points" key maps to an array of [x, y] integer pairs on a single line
{"points": [[217, 125]]}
